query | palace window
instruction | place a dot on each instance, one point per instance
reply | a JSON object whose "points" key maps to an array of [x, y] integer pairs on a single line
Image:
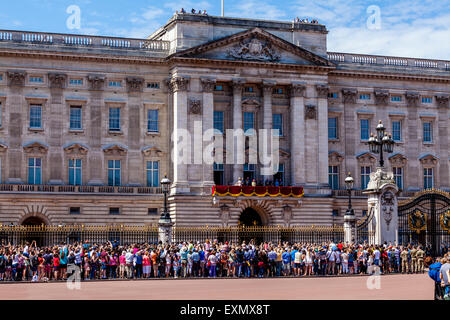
{"points": [[75, 172], [152, 173], [218, 173], [37, 79], [332, 128], [114, 211], [152, 121], [364, 96], [74, 210], [249, 171], [75, 118], [34, 171], [152, 211], [428, 178], [396, 98], [249, 121], [398, 176], [153, 85], [218, 122], [278, 123], [427, 132], [114, 119], [248, 89], [333, 177], [35, 116], [279, 176], [277, 90], [364, 129], [335, 212], [115, 83], [333, 95], [76, 82], [365, 177], [114, 172], [397, 130], [427, 100], [218, 87]]}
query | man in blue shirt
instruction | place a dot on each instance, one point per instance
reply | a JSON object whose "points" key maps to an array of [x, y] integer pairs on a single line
{"points": [[433, 272], [201, 253], [286, 257], [195, 262], [239, 260], [247, 268], [293, 252]]}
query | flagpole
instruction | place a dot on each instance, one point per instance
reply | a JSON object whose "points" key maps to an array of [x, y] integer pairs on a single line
{"points": [[222, 9]]}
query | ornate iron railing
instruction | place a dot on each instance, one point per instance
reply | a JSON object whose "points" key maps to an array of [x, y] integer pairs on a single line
{"points": [[78, 189]]}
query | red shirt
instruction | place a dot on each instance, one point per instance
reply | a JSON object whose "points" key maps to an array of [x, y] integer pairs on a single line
{"points": [[340, 246], [56, 262]]}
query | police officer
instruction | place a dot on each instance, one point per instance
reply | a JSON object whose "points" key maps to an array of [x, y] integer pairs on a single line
{"points": [[404, 256], [420, 254], [413, 259]]}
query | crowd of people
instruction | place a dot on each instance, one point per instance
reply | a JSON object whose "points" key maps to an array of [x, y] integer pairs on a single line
{"points": [[253, 182], [305, 20], [193, 11], [203, 259]]}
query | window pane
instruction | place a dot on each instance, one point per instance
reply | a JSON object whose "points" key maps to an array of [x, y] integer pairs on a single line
{"points": [[332, 128], [396, 130], [218, 121], [30, 175], [364, 129], [248, 121], [278, 123], [114, 118], [75, 117], [152, 125], [35, 116], [110, 164]]}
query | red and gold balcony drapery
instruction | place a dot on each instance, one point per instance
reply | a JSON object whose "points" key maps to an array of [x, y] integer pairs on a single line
{"points": [[260, 191]]}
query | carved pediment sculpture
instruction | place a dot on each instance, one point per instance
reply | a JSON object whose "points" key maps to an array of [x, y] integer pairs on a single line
{"points": [[250, 102], [412, 99], [442, 100], [335, 158], [57, 80], [429, 159], [35, 147], [96, 82], [366, 159], [254, 49], [115, 150], [398, 160], [381, 96], [76, 148], [380, 178], [310, 112], [284, 154], [135, 84], [151, 151], [16, 78], [195, 106], [349, 95]]}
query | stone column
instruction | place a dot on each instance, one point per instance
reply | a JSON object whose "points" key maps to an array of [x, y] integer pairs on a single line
{"points": [[267, 87], [383, 206], [322, 113], [181, 143], [413, 143], [134, 168], [208, 124], [348, 131], [349, 227], [16, 82], [57, 84], [297, 130], [237, 123], [95, 128], [444, 132]]}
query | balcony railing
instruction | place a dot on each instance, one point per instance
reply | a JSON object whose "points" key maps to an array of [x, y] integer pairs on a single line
{"points": [[359, 193], [260, 191], [83, 41], [78, 189], [337, 57]]}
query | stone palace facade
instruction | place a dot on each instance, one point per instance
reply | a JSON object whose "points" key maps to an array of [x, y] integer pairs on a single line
{"points": [[86, 122]]}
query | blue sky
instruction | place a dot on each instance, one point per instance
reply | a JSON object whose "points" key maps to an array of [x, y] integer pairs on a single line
{"points": [[411, 28]]}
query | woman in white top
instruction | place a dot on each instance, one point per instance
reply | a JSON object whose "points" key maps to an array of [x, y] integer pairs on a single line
{"points": [[308, 262], [297, 262]]}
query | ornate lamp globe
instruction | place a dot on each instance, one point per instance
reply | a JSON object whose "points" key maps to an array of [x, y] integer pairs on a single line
{"points": [[349, 182], [165, 183], [389, 145], [380, 130], [372, 143]]}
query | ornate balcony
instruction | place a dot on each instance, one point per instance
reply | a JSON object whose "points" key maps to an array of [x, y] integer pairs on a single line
{"points": [[28, 188], [260, 191]]}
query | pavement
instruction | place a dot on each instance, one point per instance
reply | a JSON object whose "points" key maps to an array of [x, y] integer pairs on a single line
{"points": [[384, 287]]}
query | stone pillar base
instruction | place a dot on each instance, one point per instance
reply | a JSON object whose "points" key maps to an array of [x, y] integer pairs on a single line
{"points": [[165, 231], [349, 228]]}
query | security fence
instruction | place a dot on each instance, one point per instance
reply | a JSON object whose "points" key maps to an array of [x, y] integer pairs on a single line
{"points": [[51, 235]]}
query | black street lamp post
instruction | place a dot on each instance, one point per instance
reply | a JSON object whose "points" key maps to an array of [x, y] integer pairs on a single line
{"points": [[381, 142], [349, 218], [349, 185], [165, 215]]}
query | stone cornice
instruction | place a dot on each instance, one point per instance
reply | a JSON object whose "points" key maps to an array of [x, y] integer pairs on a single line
{"points": [[388, 76]]}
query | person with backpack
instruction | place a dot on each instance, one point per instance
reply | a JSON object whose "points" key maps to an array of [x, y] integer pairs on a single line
{"points": [[434, 270]]}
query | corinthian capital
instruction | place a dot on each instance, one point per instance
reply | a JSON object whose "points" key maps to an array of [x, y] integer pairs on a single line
{"points": [[208, 84], [16, 78], [349, 95], [322, 90], [135, 84], [57, 80], [96, 81], [268, 87], [238, 84], [442, 100], [412, 98], [297, 89], [179, 84]]}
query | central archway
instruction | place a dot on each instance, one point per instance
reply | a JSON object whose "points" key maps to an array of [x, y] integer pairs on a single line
{"points": [[250, 217], [250, 220], [33, 234]]}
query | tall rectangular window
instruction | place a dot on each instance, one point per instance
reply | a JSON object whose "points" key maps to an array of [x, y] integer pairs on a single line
{"points": [[249, 172], [332, 128], [218, 174], [428, 178], [218, 122], [152, 121], [397, 130], [277, 119], [75, 172], [365, 177], [427, 132], [152, 173], [114, 119], [333, 177], [35, 116], [34, 171], [365, 129], [114, 172], [249, 121], [278, 178], [75, 118], [398, 176]]}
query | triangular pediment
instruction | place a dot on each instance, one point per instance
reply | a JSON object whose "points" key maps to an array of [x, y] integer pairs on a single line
{"points": [[255, 45]]}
